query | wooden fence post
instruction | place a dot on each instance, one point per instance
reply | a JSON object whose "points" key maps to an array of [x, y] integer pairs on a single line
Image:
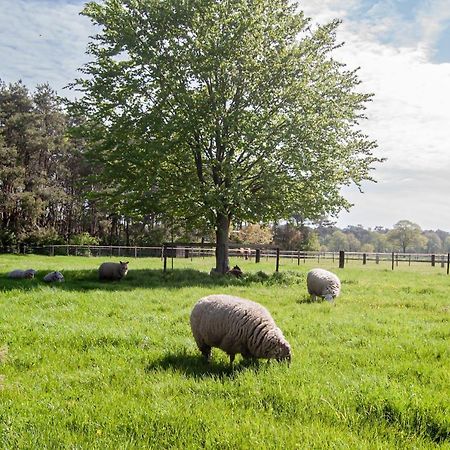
{"points": [[433, 260], [277, 267], [341, 259], [377, 259], [298, 258], [448, 262], [164, 255], [258, 255], [364, 258], [392, 260]]}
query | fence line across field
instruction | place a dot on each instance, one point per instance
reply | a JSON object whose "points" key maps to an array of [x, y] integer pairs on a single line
{"points": [[195, 250]]}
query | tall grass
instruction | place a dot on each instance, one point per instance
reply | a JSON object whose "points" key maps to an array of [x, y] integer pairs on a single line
{"points": [[92, 365]]}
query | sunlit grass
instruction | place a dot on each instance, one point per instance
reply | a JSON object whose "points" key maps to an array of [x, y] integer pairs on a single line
{"points": [[94, 365]]}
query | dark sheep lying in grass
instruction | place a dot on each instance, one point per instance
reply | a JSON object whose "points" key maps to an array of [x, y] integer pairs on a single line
{"points": [[22, 274], [235, 271], [113, 271], [54, 277], [237, 325]]}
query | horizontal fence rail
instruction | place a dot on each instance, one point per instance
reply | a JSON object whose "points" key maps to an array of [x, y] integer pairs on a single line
{"points": [[254, 253]]}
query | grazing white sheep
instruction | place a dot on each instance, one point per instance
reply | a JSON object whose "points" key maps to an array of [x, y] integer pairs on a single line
{"points": [[21, 274], [113, 271], [245, 252], [54, 277], [323, 283], [237, 325]]}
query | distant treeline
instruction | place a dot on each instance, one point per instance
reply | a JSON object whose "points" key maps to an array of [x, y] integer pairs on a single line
{"points": [[49, 194]]}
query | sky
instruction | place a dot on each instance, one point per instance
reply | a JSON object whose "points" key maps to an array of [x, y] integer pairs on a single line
{"points": [[402, 49]]}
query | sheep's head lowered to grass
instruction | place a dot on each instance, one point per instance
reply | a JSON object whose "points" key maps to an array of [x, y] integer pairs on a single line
{"points": [[323, 283], [237, 325]]}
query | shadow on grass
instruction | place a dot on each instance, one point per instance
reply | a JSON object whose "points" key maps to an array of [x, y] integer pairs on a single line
{"points": [[195, 366], [307, 299], [85, 280]]}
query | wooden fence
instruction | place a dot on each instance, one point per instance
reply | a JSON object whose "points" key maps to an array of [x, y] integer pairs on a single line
{"points": [[191, 250]]}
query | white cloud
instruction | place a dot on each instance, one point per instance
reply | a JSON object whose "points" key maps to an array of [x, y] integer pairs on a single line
{"points": [[433, 18], [42, 41]]}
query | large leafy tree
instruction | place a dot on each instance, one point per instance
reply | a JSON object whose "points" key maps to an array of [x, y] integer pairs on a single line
{"points": [[214, 110]]}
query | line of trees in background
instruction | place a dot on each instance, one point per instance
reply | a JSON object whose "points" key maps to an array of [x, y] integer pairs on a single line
{"points": [[48, 195]]}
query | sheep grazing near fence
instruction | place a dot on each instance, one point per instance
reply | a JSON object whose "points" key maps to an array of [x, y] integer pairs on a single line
{"points": [[22, 274], [113, 271], [245, 252], [323, 283]]}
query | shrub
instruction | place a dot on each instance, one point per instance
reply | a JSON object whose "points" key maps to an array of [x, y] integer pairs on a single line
{"points": [[84, 239]]}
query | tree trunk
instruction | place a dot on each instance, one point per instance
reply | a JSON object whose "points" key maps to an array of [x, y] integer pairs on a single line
{"points": [[127, 232], [222, 230]]}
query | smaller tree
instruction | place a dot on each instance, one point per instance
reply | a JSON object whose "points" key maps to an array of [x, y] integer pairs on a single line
{"points": [[311, 242], [406, 235], [337, 241], [433, 242], [254, 234], [287, 237], [446, 244]]}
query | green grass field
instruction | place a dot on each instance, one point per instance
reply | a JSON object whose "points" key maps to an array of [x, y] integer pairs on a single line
{"points": [[90, 365]]}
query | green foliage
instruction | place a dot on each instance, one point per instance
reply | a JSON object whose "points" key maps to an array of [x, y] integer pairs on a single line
{"points": [[312, 242], [7, 238], [84, 239], [93, 365], [214, 111], [406, 235], [42, 236]]}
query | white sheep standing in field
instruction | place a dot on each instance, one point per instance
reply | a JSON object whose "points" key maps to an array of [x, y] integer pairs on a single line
{"points": [[323, 283], [113, 271], [21, 274], [54, 277], [237, 325]]}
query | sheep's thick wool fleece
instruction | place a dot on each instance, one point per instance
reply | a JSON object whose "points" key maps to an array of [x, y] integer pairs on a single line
{"points": [[322, 282], [236, 325]]}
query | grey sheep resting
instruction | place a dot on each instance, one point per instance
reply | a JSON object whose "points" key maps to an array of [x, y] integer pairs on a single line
{"points": [[237, 325], [54, 277], [113, 271], [20, 274], [323, 283]]}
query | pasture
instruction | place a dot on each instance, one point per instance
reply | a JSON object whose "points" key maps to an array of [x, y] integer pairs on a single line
{"points": [[91, 365]]}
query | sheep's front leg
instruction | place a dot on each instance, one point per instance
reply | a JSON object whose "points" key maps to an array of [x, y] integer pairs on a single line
{"points": [[206, 352]]}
